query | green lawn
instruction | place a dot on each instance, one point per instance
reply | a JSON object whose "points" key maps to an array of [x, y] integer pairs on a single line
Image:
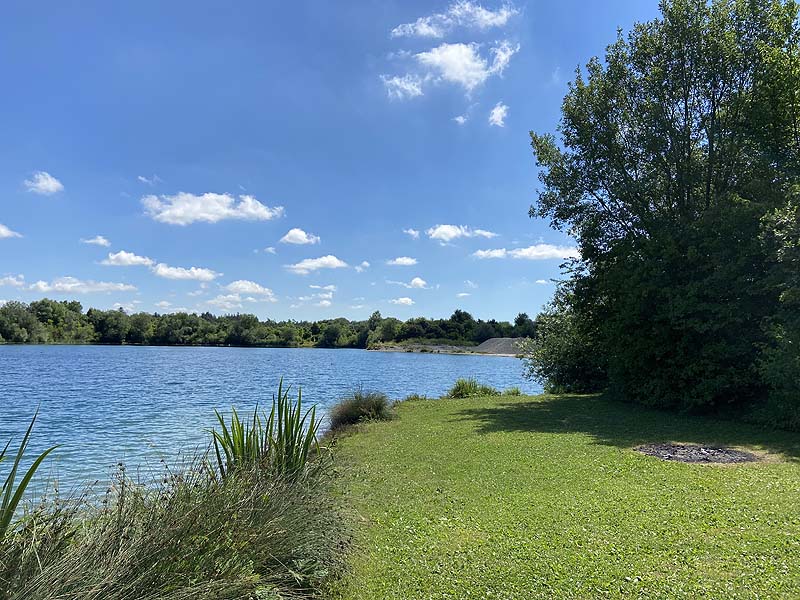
{"points": [[544, 498]]}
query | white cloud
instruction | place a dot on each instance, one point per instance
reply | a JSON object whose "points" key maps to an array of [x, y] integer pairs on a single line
{"points": [[323, 303], [463, 64], [403, 301], [184, 208], [126, 259], [413, 233], [470, 284], [13, 280], [298, 236], [327, 288], [402, 261], [362, 267], [5, 232], [462, 13], [97, 240], [194, 273], [496, 253], [402, 87], [463, 294], [73, 285], [448, 233], [536, 252], [461, 119], [163, 304], [226, 301], [306, 266], [417, 283], [460, 64], [43, 183], [542, 281], [270, 250], [497, 116], [244, 286], [149, 180], [128, 307], [196, 293]]}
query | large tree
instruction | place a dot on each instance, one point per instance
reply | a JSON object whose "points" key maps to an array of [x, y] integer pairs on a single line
{"points": [[672, 152]]}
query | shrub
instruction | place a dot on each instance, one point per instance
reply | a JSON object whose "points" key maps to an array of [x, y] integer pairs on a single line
{"points": [[467, 388], [512, 391], [253, 534], [281, 442], [11, 494], [415, 398], [358, 407]]}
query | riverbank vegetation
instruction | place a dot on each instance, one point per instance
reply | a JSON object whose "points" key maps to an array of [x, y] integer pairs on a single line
{"points": [[256, 519], [65, 322], [545, 497], [677, 169]]}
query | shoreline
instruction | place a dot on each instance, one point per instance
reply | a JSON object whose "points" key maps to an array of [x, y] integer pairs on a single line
{"points": [[439, 349]]}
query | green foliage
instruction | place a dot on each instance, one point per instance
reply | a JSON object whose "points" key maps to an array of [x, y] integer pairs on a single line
{"points": [[182, 535], [674, 152], [468, 388], [282, 442], [358, 407], [11, 492], [47, 321], [512, 391]]}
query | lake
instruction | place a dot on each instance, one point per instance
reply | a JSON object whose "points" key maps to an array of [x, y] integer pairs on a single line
{"points": [[138, 404]]}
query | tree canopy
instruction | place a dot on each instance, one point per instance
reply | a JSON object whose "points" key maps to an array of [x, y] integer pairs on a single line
{"points": [[677, 169]]}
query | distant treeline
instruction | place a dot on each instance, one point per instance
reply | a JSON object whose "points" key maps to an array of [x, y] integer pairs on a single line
{"points": [[64, 322]]}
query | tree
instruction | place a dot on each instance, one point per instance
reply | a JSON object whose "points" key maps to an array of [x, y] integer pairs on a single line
{"points": [[672, 152]]}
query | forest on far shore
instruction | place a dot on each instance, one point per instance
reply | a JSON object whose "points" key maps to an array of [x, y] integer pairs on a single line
{"points": [[65, 322]]}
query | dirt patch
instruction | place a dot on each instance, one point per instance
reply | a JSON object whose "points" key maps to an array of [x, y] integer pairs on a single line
{"points": [[689, 453]]}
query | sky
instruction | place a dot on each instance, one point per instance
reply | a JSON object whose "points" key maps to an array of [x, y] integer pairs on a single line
{"points": [[294, 160]]}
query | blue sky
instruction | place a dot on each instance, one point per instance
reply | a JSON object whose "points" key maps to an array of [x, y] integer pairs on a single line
{"points": [[279, 158]]}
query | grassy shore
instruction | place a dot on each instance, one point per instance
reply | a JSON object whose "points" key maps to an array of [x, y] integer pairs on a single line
{"points": [[519, 497]]}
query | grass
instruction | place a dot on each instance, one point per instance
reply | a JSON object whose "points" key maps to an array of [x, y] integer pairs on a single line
{"points": [[359, 407], [523, 498]]}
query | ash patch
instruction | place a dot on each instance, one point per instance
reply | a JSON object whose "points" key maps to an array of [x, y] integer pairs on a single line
{"points": [[696, 454]]}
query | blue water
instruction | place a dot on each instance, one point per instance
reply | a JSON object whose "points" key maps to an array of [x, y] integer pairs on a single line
{"points": [[110, 404]]}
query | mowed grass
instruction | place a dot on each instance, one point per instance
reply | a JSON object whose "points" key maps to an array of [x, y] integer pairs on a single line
{"points": [[543, 497]]}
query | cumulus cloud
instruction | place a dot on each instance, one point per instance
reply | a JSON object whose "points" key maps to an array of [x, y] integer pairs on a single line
{"points": [[323, 303], [13, 280], [163, 304], [73, 285], [43, 183], [447, 233], [184, 208], [126, 259], [470, 284], [403, 301], [97, 240], [181, 273], [128, 307], [460, 64], [226, 301], [463, 294], [412, 233], [462, 13], [542, 281], [5, 232], [298, 236], [244, 286], [362, 267], [417, 283], [498, 114], [327, 288], [536, 252], [460, 119], [270, 250], [308, 265], [402, 261]]}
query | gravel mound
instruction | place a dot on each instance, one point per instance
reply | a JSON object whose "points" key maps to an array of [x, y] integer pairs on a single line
{"points": [[499, 346], [696, 454]]}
